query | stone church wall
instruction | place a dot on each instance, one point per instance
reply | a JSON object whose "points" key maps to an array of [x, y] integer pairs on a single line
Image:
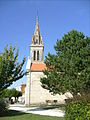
{"points": [[39, 95]]}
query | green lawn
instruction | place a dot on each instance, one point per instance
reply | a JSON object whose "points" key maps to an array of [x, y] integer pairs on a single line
{"points": [[15, 115]]}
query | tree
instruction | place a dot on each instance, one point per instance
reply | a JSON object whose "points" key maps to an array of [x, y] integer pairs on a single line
{"points": [[14, 93], [9, 93], [10, 68], [69, 68]]}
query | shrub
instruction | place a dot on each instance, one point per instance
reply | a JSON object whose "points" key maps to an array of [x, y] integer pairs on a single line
{"points": [[3, 106], [77, 110]]}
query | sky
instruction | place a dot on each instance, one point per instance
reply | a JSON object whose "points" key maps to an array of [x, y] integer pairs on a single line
{"points": [[56, 17]]}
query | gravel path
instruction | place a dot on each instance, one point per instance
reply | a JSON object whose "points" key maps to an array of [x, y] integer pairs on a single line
{"points": [[36, 110]]}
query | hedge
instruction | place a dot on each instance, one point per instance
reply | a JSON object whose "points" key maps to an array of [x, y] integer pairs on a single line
{"points": [[79, 110]]}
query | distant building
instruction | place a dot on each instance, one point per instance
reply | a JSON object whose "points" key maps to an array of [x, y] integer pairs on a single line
{"points": [[22, 89], [34, 93], [23, 86]]}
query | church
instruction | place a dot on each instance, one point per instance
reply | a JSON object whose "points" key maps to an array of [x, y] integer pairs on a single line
{"points": [[34, 93]]}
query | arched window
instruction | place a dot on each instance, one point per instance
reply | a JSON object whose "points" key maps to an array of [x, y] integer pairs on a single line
{"points": [[36, 41], [34, 56], [37, 55]]}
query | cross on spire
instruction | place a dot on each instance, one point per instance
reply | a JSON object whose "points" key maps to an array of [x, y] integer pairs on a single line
{"points": [[37, 13]]}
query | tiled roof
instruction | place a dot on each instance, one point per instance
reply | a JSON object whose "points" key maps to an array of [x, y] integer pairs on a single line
{"points": [[37, 66]]}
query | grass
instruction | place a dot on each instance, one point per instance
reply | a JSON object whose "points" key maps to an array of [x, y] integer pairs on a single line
{"points": [[15, 115]]}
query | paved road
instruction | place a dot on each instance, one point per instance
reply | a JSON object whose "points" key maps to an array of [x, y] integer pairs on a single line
{"points": [[36, 110]]}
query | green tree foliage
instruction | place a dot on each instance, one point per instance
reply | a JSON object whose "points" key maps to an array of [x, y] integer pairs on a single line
{"points": [[69, 68], [78, 110], [9, 93], [10, 68], [3, 106]]}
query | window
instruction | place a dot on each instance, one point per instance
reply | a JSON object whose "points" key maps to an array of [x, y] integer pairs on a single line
{"points": [[34, 58], [36, 41], [37, 55]]}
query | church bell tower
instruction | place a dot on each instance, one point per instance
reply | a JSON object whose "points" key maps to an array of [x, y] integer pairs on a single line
{"points": [[34, 68], [36, 47], [34, 93]]}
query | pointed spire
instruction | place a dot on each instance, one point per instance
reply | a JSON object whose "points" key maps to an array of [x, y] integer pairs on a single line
{"points": [[37, 32], [37, 38]]}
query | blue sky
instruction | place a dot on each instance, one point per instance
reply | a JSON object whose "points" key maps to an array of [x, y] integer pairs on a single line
{"points": [[56, 17]]}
